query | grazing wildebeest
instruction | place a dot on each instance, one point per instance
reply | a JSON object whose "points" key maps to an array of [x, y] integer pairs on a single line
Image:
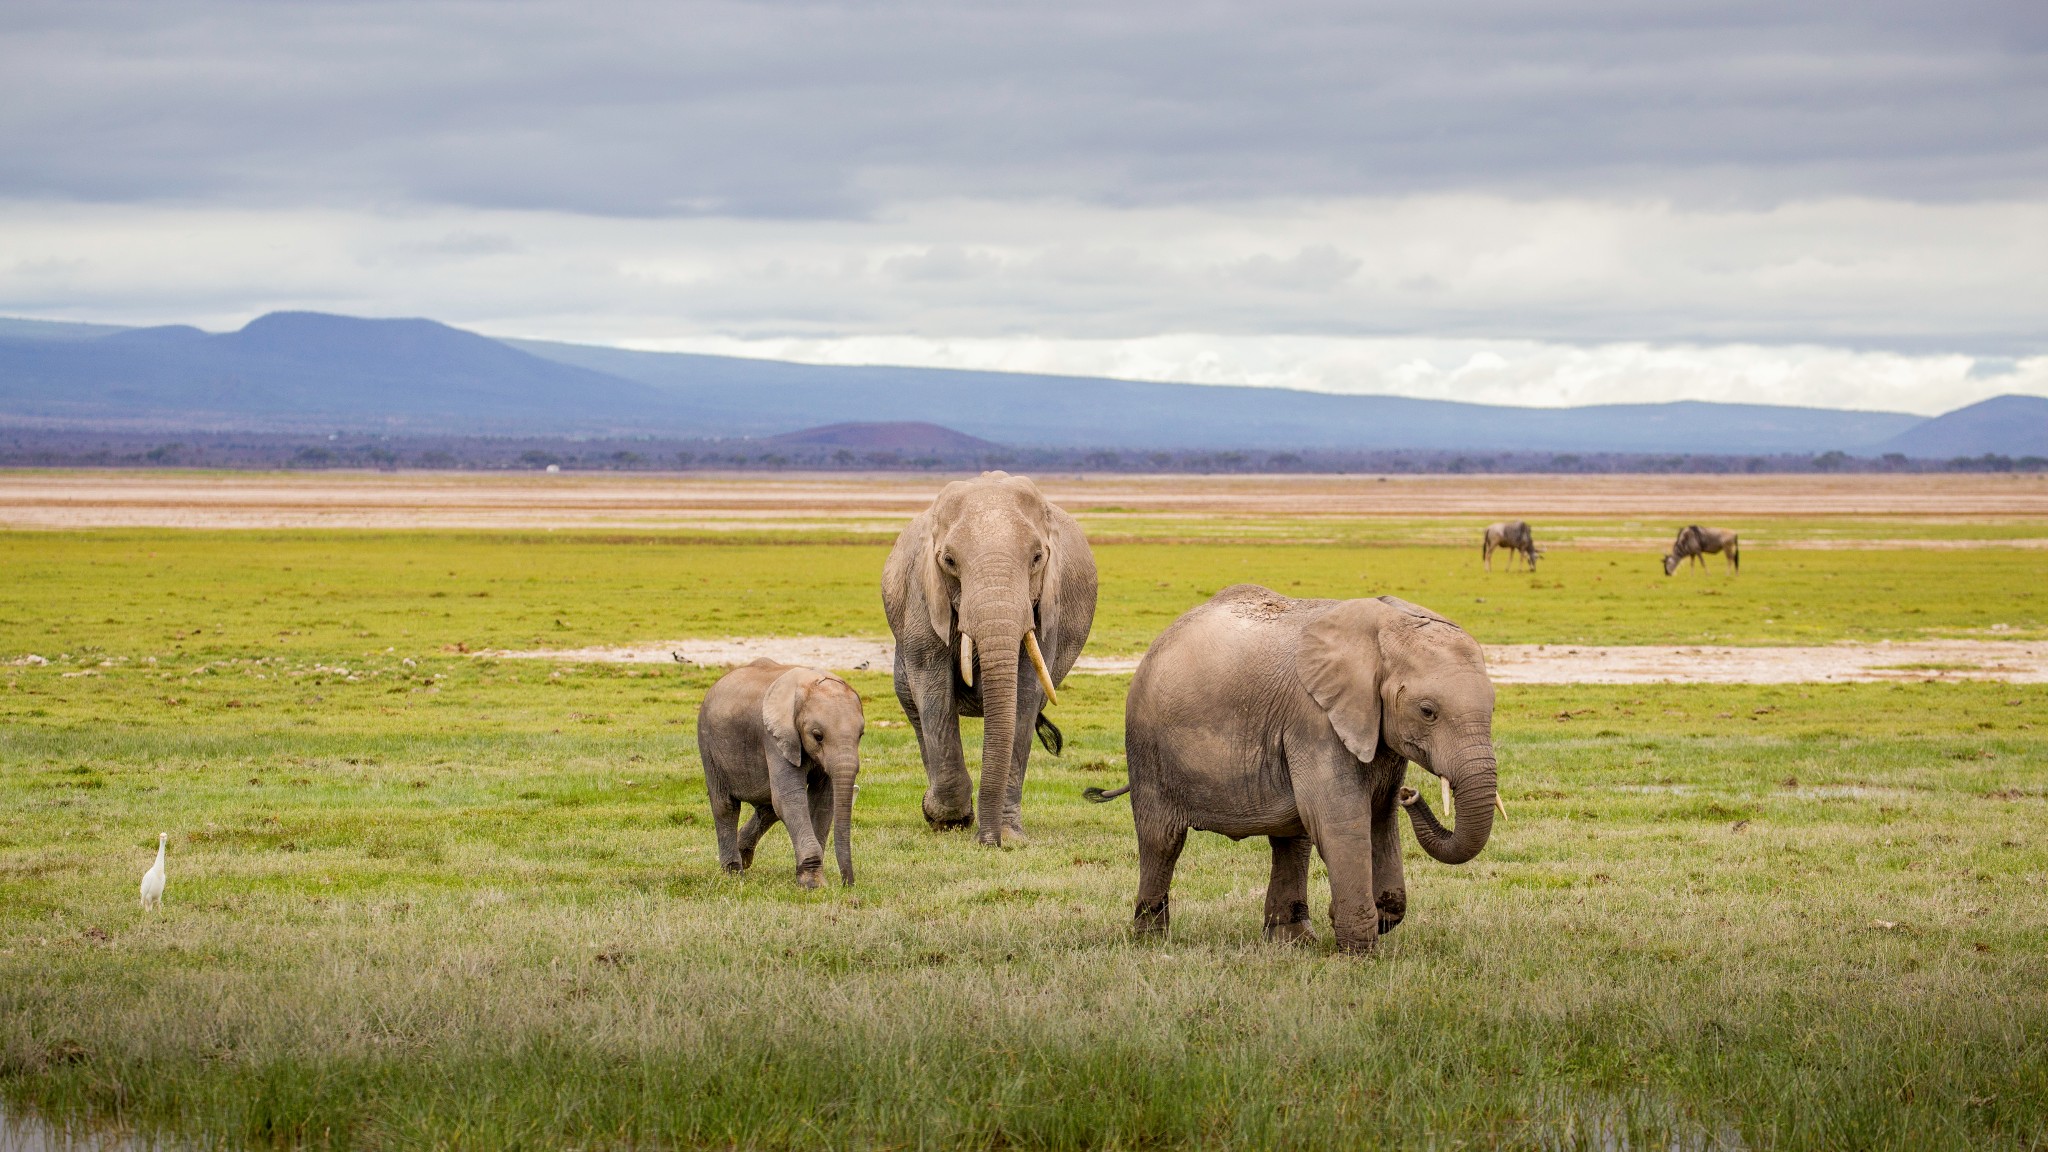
{"points": [[1694, 540], [1514, 536]]}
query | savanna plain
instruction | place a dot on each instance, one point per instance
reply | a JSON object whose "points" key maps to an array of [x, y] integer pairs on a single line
{"points": [[421, 895]]}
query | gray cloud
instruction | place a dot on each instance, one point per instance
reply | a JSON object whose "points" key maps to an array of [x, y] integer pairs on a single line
{"points": [[1843, 202], [826, 110]]}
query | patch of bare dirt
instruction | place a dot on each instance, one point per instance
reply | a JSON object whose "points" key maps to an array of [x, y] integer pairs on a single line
{"points": [[2018, 662], [1784, 543], [834, 652], [840, 653]]}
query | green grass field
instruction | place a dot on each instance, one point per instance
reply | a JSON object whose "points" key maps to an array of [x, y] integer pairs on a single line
{"points": [[423, 899], [237, 594]]}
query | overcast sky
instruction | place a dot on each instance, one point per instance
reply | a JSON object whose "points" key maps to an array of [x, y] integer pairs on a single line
{"points": [[1842, 204]]}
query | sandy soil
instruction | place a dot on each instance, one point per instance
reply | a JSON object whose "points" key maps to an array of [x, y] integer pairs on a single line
{"points": [[2019, 662], [881, 503]]}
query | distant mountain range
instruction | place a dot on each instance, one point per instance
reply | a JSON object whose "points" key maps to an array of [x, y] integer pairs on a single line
{"points": [[301, 371], [888, 436]]}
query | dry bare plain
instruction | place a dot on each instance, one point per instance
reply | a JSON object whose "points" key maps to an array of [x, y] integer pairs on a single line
{"points": [[425, 896], [1938, 506]]}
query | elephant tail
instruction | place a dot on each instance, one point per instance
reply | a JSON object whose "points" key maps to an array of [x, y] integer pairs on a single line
{"points": [[1098, 796], [1050, 735]]}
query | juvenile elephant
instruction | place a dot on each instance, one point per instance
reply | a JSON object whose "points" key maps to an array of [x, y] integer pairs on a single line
{"points": [[1260, 715], [787, 741], [989, 578]]}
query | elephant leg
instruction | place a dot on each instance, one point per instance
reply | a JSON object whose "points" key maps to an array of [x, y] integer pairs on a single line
{"points": [[1390, 884], [1287, 917], [1030, 698], [927, 699], [1159, 848], [788, 785], [1347, 853], [1336, 808], [756, 826], [819, 790], [725, 817]]}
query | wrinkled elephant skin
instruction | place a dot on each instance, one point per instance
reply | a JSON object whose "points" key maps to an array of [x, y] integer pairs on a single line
{"points": [[990, 593], [1260, 715], [787, 741]]}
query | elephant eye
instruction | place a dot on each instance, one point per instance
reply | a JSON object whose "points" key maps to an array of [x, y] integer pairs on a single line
{"points": [[946, 558], [817, 733], [1428, 711]]}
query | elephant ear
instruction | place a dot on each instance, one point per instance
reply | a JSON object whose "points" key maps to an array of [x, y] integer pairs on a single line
{"points": [[938, 594], [1049, 580], [1338, 661], [779, 708], [1399, 604]]}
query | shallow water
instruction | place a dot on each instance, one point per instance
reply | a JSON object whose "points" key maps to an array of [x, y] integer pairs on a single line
{"points": [[21, 1132]]}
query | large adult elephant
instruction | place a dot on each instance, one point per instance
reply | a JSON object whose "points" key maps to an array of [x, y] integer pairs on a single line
{"points": [[992, 577], [1260, 715]]}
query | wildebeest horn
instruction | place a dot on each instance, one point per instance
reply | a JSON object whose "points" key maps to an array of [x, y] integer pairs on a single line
{"points": [[1038, 662]]}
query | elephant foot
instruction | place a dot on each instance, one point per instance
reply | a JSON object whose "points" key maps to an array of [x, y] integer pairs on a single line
{"points": [[1292, 932], [1359, 940], [993, 840], [1393, 906], [1152, 919], [1014, 834], [812, 877], [732, 866], [746, 860], [944, 821]]}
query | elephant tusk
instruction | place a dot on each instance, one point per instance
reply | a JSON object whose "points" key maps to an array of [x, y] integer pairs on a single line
{"points": [[1446, 782], [967, 659], [1500, 804], [1038, 662]]}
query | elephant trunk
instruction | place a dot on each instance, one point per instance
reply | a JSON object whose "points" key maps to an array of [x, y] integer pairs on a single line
{"points": [[842, 820], [1471, 773], [995, 612], [999, 658]]}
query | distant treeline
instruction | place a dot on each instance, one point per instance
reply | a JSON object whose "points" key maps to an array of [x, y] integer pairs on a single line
{"points": [[49, 448]]}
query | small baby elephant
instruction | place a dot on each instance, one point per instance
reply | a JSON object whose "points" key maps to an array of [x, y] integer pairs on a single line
{"points": [[787, 741]]}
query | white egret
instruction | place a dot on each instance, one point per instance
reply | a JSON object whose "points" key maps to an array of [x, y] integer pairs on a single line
{"points": [[153, 880]]}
